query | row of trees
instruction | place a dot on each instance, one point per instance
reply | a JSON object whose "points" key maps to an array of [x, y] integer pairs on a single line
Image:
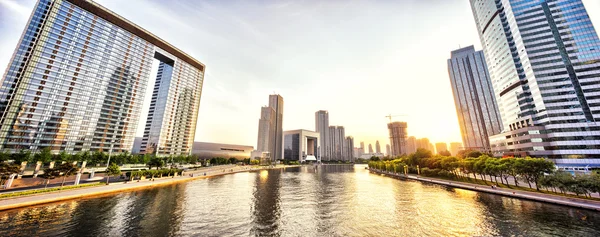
{"points": [[537, 171], [153, 173]]}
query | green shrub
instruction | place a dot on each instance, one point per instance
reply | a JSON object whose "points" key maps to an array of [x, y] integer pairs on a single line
{"points": [[35, 191]]}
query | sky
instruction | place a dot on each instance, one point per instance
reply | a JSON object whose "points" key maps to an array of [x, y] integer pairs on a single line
{"points": [[359, 59]]}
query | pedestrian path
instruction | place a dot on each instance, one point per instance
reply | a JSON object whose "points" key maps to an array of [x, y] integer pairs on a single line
{"points": [[541, 197], [36, 199]]}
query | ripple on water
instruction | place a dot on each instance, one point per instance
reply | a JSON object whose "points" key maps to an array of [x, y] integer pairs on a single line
{"points": [[326, 201]]}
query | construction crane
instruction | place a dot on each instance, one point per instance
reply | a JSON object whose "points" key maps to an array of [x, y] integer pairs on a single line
{"points": [[397, 115]]}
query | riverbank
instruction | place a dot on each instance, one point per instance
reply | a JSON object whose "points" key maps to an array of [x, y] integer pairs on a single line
{"points": [[37, 199], [533, 196]]}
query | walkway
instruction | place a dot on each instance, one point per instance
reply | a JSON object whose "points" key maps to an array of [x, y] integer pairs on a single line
{"points": [[30, 200], [541, 197]]}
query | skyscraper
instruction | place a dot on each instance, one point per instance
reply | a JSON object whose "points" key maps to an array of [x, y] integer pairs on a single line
{"points": [[371, 148], [441, 147], [338, 142], [348, 149], [322, 127], [266, 129], [276, 102], [423, 143], [377, 147], [544, 63], [476, 107], [411, 145], [77, 79], [398, 131], [388, 150]]}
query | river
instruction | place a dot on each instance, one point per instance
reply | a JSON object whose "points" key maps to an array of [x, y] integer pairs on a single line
{"points": [[331, 200]]}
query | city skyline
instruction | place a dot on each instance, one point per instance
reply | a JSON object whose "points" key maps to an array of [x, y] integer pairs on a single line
{"points": [[227, 96]]}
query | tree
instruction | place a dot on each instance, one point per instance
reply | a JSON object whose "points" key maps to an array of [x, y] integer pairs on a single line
{"points": [[45, 155], [112, 170], [7, 169], [531, 169], [67, 169], [98, 157], [4, 156], [232, 160], [64, 156], [49, 174], [21, 156], [156, 162], [444, 153]]}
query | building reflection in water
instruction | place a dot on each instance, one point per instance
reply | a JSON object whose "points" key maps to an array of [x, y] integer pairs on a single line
{"points": [[266, 203]]}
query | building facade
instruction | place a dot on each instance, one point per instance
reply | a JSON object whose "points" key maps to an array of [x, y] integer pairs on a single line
{"points": [[398, 132], [338, 142], [544, 63], [276, 102], [423, 143], [377, 147], [441, 147], [77, 79], [476, 107], [208, 150], [348, 148], [301, 145], [455, 147], [411, 145], [388, 150], [266, 129], [371, 148], [322, 127]]}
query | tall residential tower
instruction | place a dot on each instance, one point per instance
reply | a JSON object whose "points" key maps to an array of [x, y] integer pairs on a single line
{"points": [[398, 133], [322, 127], [77, 79]]}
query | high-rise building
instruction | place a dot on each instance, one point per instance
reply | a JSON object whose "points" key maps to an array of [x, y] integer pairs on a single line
{"points": [[455, 147], [476, 107], [338, 142], [322, 127], [371, 148], [77, 80], [398, 131], [423, 143], [348, 149], [440, 147], [270, 128], [266, 129], [544, 63], [276, 102], [411, 145], [388, 150], [377, 147]]}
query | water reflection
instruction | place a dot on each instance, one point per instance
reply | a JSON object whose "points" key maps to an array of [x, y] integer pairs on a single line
{"points": [[337, 200]]}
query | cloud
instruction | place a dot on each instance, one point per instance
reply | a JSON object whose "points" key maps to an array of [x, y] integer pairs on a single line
{"points": [[15, 7]]}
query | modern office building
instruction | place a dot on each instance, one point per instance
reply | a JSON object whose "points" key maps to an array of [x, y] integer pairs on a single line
{"points": [[137, 144], [441, 147], [266, 129], [77, 79], [455, 147], [370, 148], [208, 150], [322, 127], [377, 147], [411, 145], [388, 150], [276, 102], [544, 63], [301, 145], [398, 132], [476, 107], [270, 129]]}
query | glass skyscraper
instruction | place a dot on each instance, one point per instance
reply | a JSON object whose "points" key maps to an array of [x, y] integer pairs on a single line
{"points": [[77, 79], [544, 62], [476, 106]]}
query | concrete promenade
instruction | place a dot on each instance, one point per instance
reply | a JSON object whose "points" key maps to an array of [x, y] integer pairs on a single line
{"points": [[36, 199], [534, 196]]}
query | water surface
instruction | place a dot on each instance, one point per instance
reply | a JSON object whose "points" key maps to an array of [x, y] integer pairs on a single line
{"points": [[332, 200]]}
